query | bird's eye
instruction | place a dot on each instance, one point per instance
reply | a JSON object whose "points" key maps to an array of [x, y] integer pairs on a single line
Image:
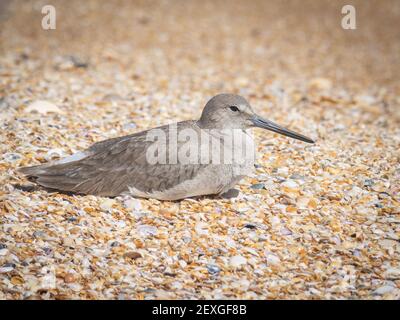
{"points": [[234, 109]]}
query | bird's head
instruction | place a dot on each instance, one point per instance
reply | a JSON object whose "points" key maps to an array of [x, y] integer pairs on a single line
{"points": [[230, 111]]}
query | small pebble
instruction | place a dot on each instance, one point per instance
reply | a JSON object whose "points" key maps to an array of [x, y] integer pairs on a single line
{"points": [[112, 97], [129, 126], [285, 232], [237, 261], [6, 269], [43, 107], [39, 234], [272, 259], [320, 83], [107, 204], [290, 184], [132, 255], [383, 290], [133, 204], [242, 284], [213, 269], [146, 230], [257, 186], [47, 251], [69, 278], [283, 171], [54, 154], [201, 228], [392, 273], [368, 182], [11, 157], [296, 176]]}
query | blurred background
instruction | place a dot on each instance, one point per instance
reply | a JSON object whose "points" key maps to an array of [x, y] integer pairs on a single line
{"points": [[262, 41]]}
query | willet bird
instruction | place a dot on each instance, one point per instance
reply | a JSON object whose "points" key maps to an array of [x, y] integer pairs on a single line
{"points": [[124, 165]]}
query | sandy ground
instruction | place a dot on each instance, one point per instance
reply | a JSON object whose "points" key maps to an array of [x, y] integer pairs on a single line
{"points": [[319, 221]]}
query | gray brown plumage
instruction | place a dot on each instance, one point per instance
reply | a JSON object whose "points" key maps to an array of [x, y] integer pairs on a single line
{"points": [[120, 165]]}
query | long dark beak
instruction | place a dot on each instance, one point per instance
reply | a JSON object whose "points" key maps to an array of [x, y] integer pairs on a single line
{"points": [[269, 125]]}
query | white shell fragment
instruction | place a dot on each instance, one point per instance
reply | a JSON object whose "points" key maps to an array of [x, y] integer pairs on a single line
{"points": [[237, 261], [43, 107]]}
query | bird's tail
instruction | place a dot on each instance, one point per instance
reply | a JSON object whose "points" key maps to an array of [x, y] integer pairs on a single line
{"points": [[33, 171], [62, 174], [53, 176]]}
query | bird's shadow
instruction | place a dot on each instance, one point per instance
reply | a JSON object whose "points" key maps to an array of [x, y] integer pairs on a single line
{"points": [[33, 188], [230, 194]]}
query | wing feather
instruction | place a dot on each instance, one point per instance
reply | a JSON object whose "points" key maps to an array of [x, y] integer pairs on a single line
{"points": [[114, 165]]}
